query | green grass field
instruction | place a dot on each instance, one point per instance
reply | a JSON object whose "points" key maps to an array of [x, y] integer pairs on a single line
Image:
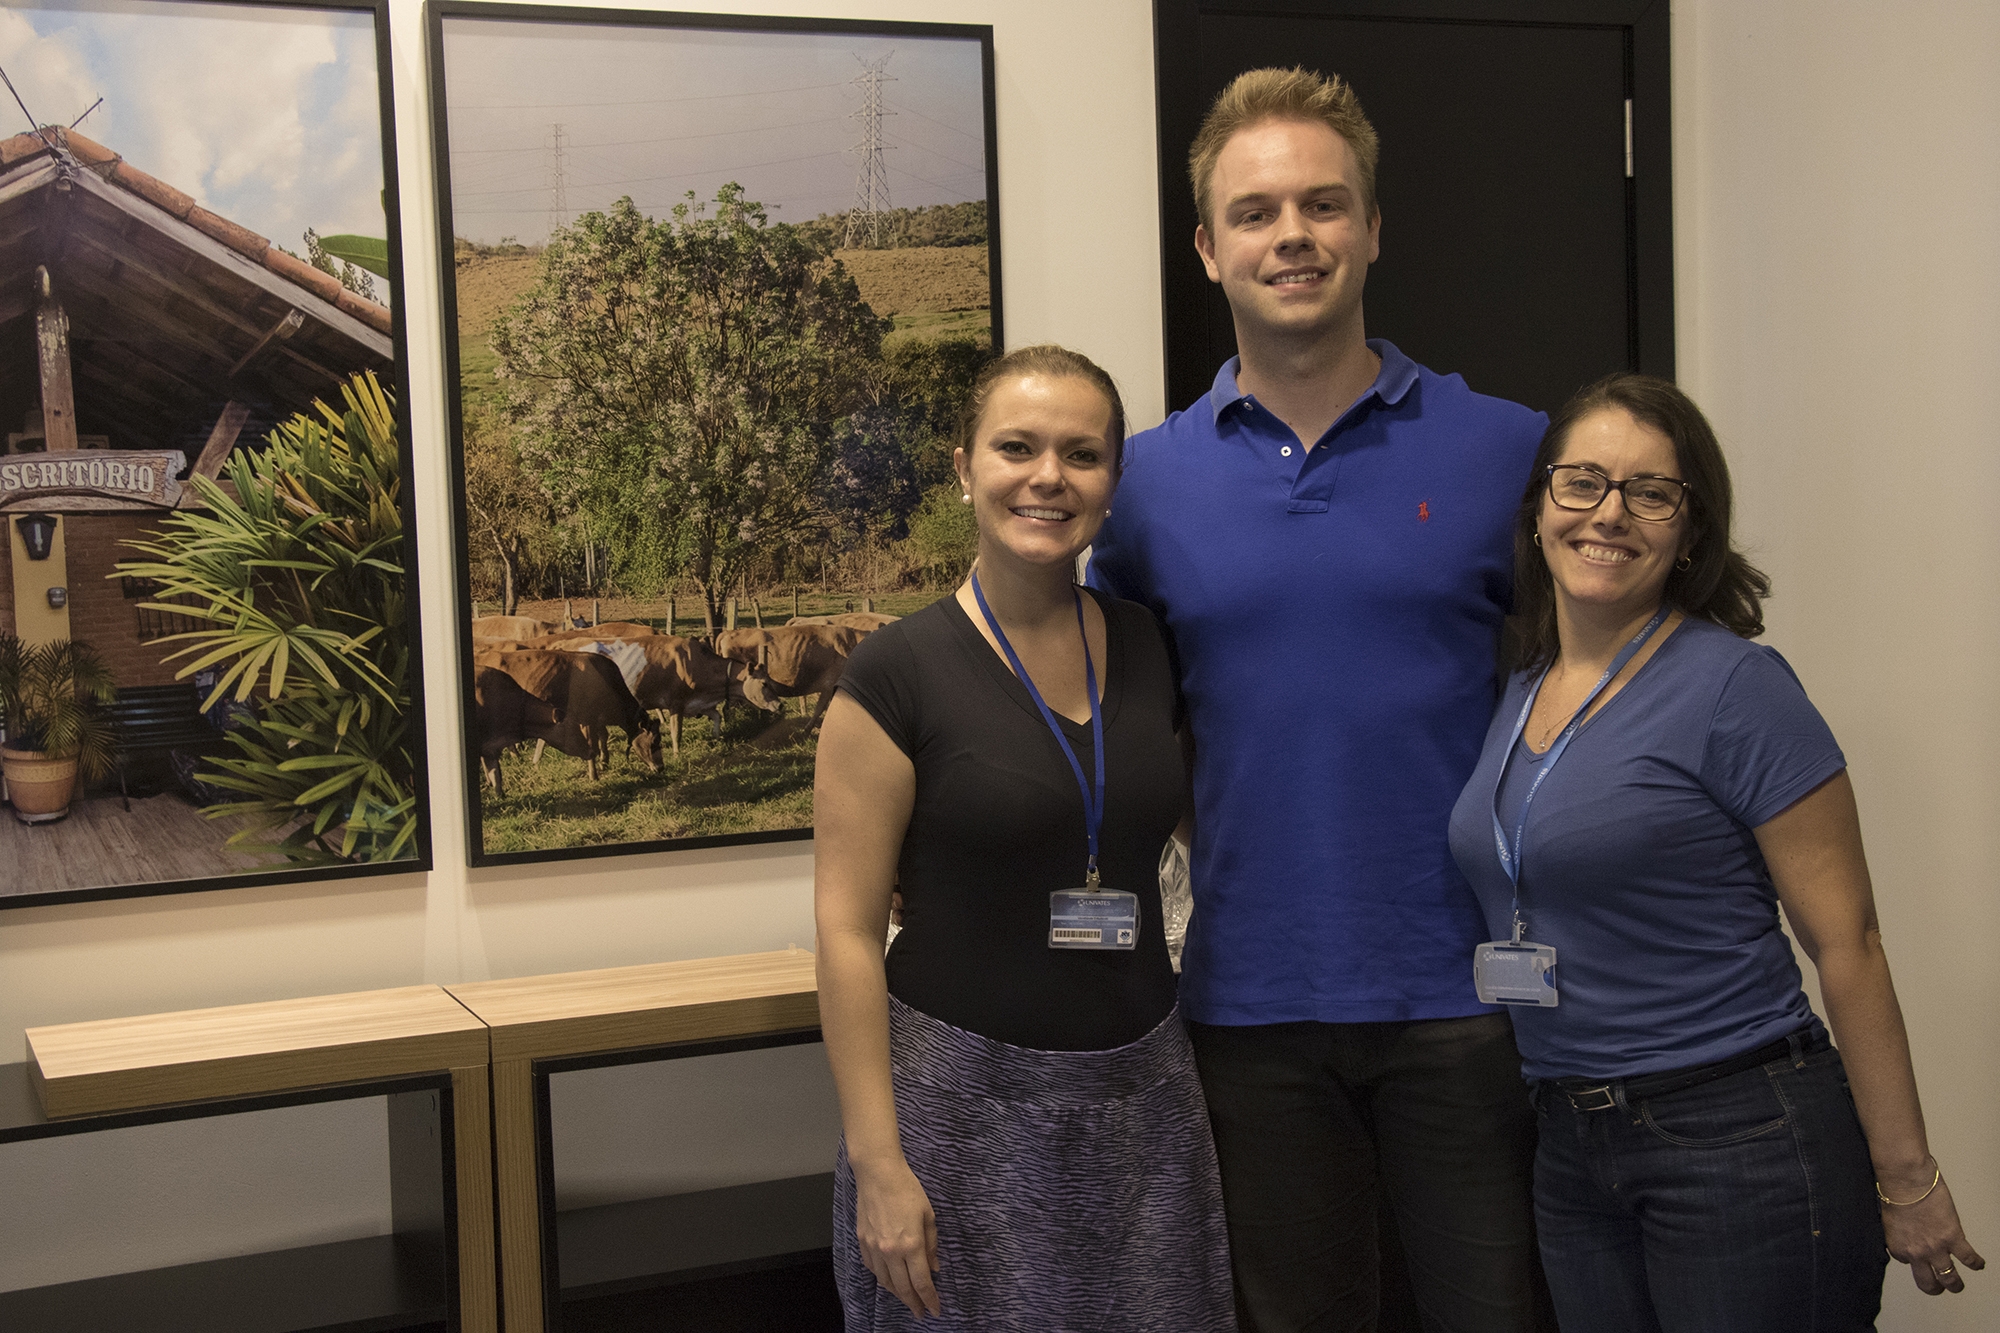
{"points": [[758, 777], [755, 777], [941, 324]]}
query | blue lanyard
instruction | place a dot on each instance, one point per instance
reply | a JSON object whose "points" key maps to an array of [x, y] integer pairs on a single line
{"points": [[1510, 855], [1093, 810]]}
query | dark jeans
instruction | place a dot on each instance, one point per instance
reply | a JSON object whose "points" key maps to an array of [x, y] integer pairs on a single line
{"points": [[1313, 1121], [1744, 1205]]}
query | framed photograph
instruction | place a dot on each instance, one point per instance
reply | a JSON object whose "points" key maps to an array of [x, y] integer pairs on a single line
{"points": [[208, 610], [716, 289]]}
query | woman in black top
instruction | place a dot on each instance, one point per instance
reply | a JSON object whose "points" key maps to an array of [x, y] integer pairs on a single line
{"points": [[1025, 1143]]}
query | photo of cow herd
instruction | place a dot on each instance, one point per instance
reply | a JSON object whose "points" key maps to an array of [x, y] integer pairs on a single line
{"points": [[719, 290], [616, 698]]}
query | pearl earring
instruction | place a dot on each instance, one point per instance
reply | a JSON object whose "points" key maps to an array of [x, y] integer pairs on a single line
{"points": [[965, 499]]}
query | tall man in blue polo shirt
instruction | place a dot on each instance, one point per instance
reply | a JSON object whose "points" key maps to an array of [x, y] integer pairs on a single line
{"points": [[1326, 537]]}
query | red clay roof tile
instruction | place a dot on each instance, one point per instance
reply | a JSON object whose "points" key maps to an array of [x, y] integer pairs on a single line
{"points": [[155, 192], [231, 235], [293, 269], [20, 146], [366, 311], [88, 151]]}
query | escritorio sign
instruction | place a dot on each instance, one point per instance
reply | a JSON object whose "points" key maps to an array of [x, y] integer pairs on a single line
{"points": [[141, 476]]}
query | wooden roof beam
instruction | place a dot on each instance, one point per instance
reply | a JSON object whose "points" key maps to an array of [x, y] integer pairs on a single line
{"points": [[52, 350], [240, 266]]}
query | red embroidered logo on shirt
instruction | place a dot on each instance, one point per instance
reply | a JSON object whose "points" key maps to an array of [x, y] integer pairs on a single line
{"points": [[1423, 511]]}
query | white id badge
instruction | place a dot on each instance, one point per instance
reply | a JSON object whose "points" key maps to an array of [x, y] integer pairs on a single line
{"points": [[1093, 919], [1505, 972]]}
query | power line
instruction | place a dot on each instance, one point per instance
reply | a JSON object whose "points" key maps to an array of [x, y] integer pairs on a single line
{"points": [[976, 138], [633, 143], [871, 183], [637, 180], [649, 101]]}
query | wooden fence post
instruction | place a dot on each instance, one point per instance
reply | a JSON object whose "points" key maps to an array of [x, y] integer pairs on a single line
{"points": [[729, 613]]}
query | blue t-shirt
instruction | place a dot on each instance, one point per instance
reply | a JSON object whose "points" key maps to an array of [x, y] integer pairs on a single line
{"points": [[1334, 617], [1640, 866]]}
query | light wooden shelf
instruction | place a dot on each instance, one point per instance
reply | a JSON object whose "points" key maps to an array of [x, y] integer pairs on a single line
{"points": [[214, 1060], [118, 1064], [654, 1004], [576, 1015]]}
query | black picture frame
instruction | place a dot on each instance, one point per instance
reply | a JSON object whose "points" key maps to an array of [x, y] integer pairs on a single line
{"points": [[1644, 25], [438, 13], [395, 378]]}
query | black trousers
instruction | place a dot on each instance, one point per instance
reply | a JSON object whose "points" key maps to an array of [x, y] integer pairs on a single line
{"points": [[1322, 1128]]}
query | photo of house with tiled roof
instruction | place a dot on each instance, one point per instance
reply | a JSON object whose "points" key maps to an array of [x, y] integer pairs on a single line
{"points": [[183, 398]]}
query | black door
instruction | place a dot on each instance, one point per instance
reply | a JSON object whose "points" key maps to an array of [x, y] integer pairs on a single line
{"points": [[1526, 228]]}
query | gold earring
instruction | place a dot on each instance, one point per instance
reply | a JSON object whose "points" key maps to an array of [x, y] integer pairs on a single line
{"points": [[1538, 536], [1685, 562]]}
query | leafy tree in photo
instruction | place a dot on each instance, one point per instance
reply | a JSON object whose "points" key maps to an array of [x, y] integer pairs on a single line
{"points": [[506, 511], [300, 575], [356, 280], [679, 384]]}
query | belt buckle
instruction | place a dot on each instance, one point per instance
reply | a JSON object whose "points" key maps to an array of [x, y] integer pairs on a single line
{"points": [[1586, 1099]]}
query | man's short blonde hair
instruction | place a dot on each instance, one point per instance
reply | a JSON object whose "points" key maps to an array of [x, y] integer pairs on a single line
{"points": [[1258, 95]]}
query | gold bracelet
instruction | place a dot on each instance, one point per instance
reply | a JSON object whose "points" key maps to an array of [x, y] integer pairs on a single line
{"points": [[1937, 1174]]}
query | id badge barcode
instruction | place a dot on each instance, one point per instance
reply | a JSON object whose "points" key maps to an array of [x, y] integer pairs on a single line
{"points": [[1093, 919]]}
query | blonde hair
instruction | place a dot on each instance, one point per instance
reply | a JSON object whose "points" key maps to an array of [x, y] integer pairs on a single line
{"points": [[1054, 362], [1258, 95]]}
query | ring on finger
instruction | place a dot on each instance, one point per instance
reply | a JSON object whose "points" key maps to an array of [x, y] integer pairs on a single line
{"points": [[1949, 1270]]}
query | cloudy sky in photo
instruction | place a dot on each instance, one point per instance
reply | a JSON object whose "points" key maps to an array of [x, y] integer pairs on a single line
{"points": [[656, 112], [270, 117]]}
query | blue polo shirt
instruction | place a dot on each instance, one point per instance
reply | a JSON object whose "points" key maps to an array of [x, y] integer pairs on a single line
{"points": [[1334, 615]]}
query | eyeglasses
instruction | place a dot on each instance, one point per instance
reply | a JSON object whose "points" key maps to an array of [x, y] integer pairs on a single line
{"points": [[1655, 499]]}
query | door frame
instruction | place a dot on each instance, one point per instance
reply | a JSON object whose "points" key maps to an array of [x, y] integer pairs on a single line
{"points": [[1649, 191]]}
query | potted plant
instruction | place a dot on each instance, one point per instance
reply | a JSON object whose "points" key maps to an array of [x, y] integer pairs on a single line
{"points": [[52, 695]]}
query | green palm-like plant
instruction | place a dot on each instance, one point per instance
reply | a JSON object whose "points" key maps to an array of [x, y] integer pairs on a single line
{"points": [[300, 573], [53, 696]]}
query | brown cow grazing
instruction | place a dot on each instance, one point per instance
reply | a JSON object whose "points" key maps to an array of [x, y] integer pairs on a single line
{"points": [[676, 678], [865, 621], [507, 715], [592, 697], [509, 627], [610, 629], [797, 660]]}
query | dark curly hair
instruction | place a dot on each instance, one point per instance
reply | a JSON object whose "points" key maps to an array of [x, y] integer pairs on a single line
{"points": [[1718, 586]]}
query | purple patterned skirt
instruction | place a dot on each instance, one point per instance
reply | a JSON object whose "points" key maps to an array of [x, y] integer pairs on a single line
{"points": [[1075, 1191]]}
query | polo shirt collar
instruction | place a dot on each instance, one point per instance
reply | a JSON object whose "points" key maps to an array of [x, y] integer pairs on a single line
{"points": [[1392, 381]]}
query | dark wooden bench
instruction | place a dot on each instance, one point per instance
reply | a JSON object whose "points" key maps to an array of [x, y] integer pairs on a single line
{"points": [[153, 721]]}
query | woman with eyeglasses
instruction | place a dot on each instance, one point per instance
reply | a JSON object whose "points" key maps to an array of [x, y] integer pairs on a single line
{"points": [[1653, 787]]}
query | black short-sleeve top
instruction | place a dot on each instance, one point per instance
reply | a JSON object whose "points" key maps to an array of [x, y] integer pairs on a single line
{"points": [[998, 825]]}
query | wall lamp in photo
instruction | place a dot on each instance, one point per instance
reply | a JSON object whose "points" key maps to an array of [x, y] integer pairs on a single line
{"points": [[38, 534]]}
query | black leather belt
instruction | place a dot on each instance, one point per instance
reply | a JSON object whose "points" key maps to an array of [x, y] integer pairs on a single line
{"points": [[1592, 1095]]}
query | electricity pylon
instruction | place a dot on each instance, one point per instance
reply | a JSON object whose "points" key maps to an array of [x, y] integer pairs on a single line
{"points": [[871, 183]]}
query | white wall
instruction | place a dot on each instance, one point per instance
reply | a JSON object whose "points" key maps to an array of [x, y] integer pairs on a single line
{"points": [[1837, 201], [1837, 165], [1080, 264]]}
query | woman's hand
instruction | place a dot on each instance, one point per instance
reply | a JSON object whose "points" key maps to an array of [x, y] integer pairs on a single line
{"points": [[1928, 1238], [898, 1234]]}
